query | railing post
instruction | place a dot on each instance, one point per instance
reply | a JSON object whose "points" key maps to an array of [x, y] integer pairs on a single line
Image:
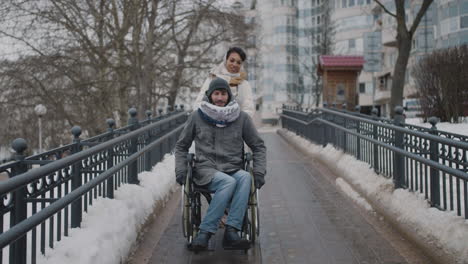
{"points": [[110, 160], [76, 181], [375, 135], [149, 139], [159, 131], [398, 159], [358, 130], [345, 141], [325, 130], [133, 166], [435, 183], [19, 212]]}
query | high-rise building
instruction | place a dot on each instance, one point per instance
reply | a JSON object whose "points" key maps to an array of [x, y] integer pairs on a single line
{"points": [[289, 30], [278, 59]]}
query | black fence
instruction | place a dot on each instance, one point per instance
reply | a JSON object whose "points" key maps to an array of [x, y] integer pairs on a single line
{"points": [[47, 193], [431, 162]]}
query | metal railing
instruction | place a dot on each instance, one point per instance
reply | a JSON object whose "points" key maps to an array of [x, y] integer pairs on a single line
{"points": [[40, 205], [431, 162]]}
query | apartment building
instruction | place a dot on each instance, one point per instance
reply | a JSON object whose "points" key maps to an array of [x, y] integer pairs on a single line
{"points": [[290, 28]]}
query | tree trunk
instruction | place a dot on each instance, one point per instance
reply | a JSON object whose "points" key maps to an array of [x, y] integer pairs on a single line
{"points": [[399, 72]]}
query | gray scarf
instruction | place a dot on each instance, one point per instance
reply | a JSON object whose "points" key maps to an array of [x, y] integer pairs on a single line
{"points": [[219, 116]]}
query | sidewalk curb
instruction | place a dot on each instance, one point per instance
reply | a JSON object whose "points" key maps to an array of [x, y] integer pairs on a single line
{"points": [[433, 248]]}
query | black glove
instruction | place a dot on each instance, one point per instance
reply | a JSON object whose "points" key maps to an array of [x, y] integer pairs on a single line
{"points": [[259, 181], [180, 179]]}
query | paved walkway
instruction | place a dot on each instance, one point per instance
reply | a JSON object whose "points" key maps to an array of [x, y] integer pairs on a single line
{"points": [[304, 219]]}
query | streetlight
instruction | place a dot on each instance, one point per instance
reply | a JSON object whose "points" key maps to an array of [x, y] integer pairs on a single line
{"points": [[40, 110]]}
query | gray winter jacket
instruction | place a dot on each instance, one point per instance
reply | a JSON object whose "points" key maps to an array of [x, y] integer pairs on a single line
{"points": [[219, 148]]}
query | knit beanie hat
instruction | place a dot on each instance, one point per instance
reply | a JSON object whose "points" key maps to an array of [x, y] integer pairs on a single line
{"points": [[216, 84]]}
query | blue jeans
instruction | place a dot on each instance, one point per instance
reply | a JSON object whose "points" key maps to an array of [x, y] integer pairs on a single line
{"points": [[229, 191]]}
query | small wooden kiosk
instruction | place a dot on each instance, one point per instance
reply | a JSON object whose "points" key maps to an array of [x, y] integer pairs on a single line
{"points": [[340, 77]]}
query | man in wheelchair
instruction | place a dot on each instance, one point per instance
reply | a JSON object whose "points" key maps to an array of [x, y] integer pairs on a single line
{"points": [[219, 129]]}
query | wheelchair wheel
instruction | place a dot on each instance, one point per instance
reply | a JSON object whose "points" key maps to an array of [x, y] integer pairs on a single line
{"points": [[253, 218], [187, 227]]}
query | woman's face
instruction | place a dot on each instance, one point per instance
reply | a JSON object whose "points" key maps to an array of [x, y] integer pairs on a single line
{"points": [[233, 63]]}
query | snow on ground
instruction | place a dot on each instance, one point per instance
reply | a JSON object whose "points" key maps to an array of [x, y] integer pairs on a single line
{"points": [[444, 228], [111, 226], [267, 129], [461, 128]]}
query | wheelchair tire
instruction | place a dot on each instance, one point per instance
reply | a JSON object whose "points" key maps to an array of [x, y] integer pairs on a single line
{"points": [[254, 230], [186, 214]]}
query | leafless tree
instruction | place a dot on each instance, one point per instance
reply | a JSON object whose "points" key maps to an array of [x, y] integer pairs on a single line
{"points": [[441, 79], [322, 44], [404, 38], [90, 60]]}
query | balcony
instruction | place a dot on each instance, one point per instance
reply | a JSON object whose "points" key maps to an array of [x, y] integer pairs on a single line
{"points": [[382, 95]]}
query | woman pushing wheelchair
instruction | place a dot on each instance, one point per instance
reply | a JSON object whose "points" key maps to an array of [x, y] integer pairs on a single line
{"points": [[219, 129]]}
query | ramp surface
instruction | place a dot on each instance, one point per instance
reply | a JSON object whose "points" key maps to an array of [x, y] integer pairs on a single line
{"points": [[304, 219]]}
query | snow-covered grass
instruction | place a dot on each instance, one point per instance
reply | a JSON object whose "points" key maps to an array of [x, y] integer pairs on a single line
{"points": [[110, 227], [445, 229], [460, 128]]}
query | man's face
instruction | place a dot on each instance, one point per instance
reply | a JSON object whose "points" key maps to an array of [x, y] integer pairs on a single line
{"points": [[219, 97]]}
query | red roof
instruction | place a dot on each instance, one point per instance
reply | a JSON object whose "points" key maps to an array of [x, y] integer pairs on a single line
{"points": [[341, 61]]}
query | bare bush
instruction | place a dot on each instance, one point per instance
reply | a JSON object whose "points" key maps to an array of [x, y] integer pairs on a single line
{"points": [[442, 83]]}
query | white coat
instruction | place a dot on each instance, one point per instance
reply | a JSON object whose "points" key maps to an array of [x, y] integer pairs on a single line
{"points": [[242, 92]]}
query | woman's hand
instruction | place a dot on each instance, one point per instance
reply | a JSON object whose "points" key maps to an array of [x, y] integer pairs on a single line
{"points": [[235, 81]]}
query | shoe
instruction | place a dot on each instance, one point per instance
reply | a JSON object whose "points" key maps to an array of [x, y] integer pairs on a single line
{"points": [[200, 242], [232, 240]]}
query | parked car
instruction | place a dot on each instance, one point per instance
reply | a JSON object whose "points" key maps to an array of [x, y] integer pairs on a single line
{"points": [[412, 108]]}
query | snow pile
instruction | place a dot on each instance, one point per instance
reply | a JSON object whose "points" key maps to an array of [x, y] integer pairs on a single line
{"points": [[346, 188], [446, 229], [111, 226], [460, 128]]}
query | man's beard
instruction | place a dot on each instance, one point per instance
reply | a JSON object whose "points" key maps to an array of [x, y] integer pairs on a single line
{"points": [[220, 103]]}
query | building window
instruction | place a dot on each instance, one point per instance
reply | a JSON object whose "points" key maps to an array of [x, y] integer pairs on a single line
{"points": [[464, 22], [464, 7], [453, 10], [362, 87], [351, 43]]}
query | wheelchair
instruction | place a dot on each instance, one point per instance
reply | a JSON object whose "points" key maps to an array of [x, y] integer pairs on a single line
{"points": [[192, 205]]}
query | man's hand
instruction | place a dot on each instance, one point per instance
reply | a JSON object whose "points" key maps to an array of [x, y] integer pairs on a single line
{"points": [[259, 181], [180, 179]]}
